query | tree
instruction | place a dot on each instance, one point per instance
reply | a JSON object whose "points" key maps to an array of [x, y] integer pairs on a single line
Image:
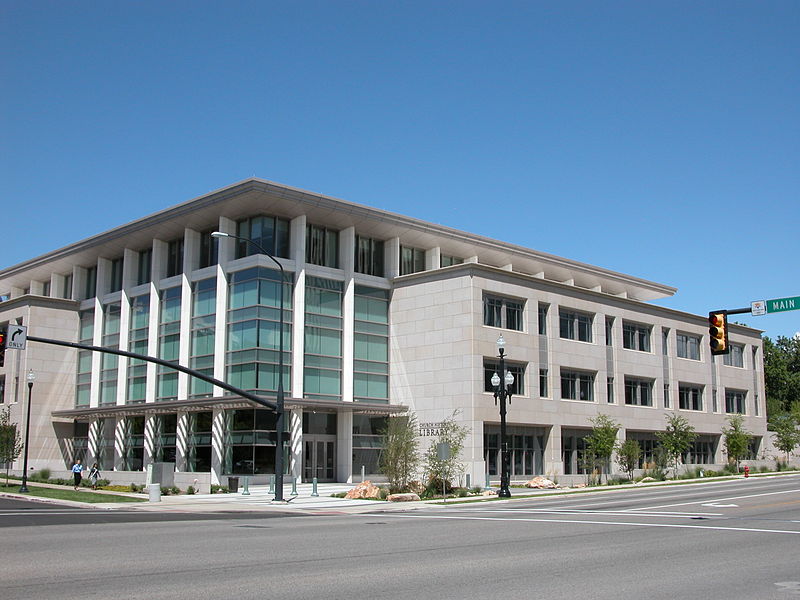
{"points": [[400, 457], [785, 433], [439, 471], [737, 439], [628, 455], [677, 438], [10, 442], [602, 441], [782, 374]]}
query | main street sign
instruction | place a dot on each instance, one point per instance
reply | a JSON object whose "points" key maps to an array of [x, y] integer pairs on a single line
{"points": [[782, 304], [762, 307]]}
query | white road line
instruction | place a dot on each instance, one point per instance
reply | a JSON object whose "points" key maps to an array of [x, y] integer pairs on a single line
{"points": [[627, 513], [620, 523], [706, 500]]}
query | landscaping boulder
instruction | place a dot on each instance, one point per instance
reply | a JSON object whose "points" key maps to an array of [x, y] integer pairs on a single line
{"points": [[489, 493], [541, 483], [365, 489], [409, 497]]}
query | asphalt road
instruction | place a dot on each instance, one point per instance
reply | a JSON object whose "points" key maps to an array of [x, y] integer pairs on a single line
{"points": [[730, 540]]}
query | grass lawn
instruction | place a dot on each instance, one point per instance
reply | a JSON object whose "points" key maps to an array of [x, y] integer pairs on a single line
{"points": [[68, 494]]}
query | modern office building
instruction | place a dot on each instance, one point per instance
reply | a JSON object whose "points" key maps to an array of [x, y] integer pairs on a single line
{"points": [[383, 313]]}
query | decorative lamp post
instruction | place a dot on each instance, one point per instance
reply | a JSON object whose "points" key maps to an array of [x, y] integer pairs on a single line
{"points": [[31, 377], [503, 393], [279, 411]]}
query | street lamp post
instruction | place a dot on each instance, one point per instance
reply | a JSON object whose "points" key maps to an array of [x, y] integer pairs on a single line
{"points": [[24, 487], [280, 411], [503, 393]]}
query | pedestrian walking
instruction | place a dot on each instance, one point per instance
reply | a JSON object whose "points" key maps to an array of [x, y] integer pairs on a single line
{"points": [[94, 475], [77, 472]]}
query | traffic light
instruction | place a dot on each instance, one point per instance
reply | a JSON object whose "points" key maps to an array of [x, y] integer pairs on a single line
{"points": [[2, 348], [718, 331]]}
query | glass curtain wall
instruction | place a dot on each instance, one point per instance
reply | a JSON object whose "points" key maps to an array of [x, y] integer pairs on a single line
{"points": [[368, 442], [204, 314], [322, 377], [137, 369], [371, 345], [165, 428], [133, 444], [110, 362], [250, 442], [169, 334], [253, 330], [105, 443], [198, 459], [526, 447], [83, 378]]}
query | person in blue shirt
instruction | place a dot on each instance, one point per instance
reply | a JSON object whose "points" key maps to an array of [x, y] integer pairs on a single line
{"points": [[77, 472]]}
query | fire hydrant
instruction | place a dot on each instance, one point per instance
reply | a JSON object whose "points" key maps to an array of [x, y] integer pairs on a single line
{"points": [[746, 471]]}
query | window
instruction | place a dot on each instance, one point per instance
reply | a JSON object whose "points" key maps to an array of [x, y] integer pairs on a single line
{"points": [[688, 346], [369, 256], [198, 450], [110, 362], [322, 246], [46, 288], [209, 249], [636, 336], [543, 318], [322, 376], [412, 260], [368, 441], [490, 367], [83, 378], [371, 345], [203, 329], [138, 336], [638, 392], [502, 312], [115, 283], [90, 289], [610, 331], [610, 390], [2, 389], [67, 287], [254, 330], [666, 396], [169, 333], [175, 257], [577, 385], [270, 233], [575, 325], [449, 261], [690, 397], [543, 392], [665, 341], [734, 358], [143, 266], [734, 401]]}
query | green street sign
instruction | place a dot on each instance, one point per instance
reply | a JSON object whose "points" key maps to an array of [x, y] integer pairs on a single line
{"points": [[783, 304]]}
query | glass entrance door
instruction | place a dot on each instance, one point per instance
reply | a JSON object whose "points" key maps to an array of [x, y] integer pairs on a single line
{"points": [[319, 457]]}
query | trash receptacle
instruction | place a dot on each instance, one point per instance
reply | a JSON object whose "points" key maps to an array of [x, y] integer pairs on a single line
{"points": [[233, 484], [154, 492]]}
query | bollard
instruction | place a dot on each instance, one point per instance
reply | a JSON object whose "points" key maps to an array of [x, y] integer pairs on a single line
{"points": [[154, 490], [272, 484], [246, 491], [314, 493], [363, 473], [488, 484], [468, 481], [294, 485]]}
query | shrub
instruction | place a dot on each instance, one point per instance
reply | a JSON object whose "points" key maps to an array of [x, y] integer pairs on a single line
{"points": [[617, 481], [731, 468], [219, 489], [336, 495], [476, 490], [461, 492], [45, 474], [191, 491], [384, 493]]}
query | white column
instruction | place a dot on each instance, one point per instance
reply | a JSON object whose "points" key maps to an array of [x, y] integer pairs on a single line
{"points": [[348, 341], [152, 343], [217, 445], [149, 440], [344, 447], [391, 258], [185, 336], [119, 443], [298, 333], [124, 333], [433, 258], [182, 441], [97, 357], [296, 450]]}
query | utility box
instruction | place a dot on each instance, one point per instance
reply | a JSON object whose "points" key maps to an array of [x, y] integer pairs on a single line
{"points": [[164, 474]]}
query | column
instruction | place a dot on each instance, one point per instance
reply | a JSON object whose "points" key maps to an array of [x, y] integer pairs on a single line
{"points": [[182, 441], [344, 447], [295, 417], [217, 446]]}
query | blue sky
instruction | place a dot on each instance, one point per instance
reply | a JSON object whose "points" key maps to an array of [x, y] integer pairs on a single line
{"points": [[658, 139]]}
